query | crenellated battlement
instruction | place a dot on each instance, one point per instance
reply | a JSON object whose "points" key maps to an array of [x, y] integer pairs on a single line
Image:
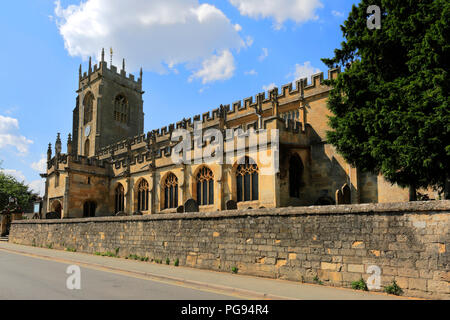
{"points": [[118, 154], [287, 92], [101, 70], [302, 90]]}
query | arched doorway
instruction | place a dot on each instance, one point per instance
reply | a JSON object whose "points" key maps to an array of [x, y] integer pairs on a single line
{"points": [[57, 207], [346, 194], [295, 175], [89, 208]]}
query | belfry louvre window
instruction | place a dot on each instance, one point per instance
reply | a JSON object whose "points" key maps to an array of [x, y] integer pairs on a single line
{"points": [[205, 186], [119, 198], [247, 181], [143, 195], [121, 109], [171, 191], [88, 104]]}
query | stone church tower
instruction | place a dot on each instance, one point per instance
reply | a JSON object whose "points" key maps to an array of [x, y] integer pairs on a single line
{"points": [[109, 108]]}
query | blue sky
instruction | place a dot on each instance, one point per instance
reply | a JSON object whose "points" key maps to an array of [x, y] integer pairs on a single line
{"points": [[196, 55]]}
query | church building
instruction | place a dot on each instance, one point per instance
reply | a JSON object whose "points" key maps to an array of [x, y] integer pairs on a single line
{"points": [[111, 167]]}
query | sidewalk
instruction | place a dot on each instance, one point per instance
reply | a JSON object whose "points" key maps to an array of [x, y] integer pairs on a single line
{"points": [[243, 286]]}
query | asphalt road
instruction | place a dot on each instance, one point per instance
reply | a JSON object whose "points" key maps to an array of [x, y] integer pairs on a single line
{"points": [[29, 278]]}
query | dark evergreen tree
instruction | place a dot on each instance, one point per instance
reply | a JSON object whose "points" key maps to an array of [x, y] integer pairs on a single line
{"points": [[391, 104]]}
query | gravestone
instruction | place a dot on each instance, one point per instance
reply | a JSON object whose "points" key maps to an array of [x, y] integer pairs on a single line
{"points": [[137, 213], [324, 201], [231, 205], [120, 214], [180, 209], [190, 206]]}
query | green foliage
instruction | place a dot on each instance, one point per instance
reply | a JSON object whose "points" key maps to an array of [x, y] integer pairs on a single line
{"points": [[110, 254], [107, 254], [50, 246], [10, 187], [71, 249], [136, 257], [234, 269], [176, 263], [393, 288], [391, 112], [359, 285], [317, 280], [167, 261], [117, 251]]}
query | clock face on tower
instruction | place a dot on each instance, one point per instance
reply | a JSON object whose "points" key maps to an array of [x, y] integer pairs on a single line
{"points": [[87, 131]]}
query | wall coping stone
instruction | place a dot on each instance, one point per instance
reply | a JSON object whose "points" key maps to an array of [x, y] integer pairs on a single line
{"points": [[435, 206]]}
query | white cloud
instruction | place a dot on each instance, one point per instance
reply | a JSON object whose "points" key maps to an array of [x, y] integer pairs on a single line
{"points": [[15, 173], [7, 124], [9, 135], [251, 73], [337, 13], [41, 165], [153, 34], [264, 54], [303, 71], [38, 186], [218, 67], [269, 87], [280, 10]]}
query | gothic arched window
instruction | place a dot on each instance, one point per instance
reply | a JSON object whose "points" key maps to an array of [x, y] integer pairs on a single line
{"points": [[119, 198], [247, 180], [88, 104], [121, 109], [142, 195], [87, 145], [295, 175], [170, 191], [205, 186]]}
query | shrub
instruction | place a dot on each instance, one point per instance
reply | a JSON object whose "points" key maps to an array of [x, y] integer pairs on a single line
{"points": [[359, 285], [234, 270], [317, 280], [393, 288], [176, 262]]}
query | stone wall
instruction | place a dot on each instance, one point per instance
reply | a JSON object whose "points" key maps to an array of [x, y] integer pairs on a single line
{"points": [[335, 244]]}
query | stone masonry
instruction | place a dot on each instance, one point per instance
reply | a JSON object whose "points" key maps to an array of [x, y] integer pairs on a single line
{"points": [[336, 244]]}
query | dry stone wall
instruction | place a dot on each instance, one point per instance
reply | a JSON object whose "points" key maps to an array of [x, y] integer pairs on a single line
{"points": [[336, 245]]}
